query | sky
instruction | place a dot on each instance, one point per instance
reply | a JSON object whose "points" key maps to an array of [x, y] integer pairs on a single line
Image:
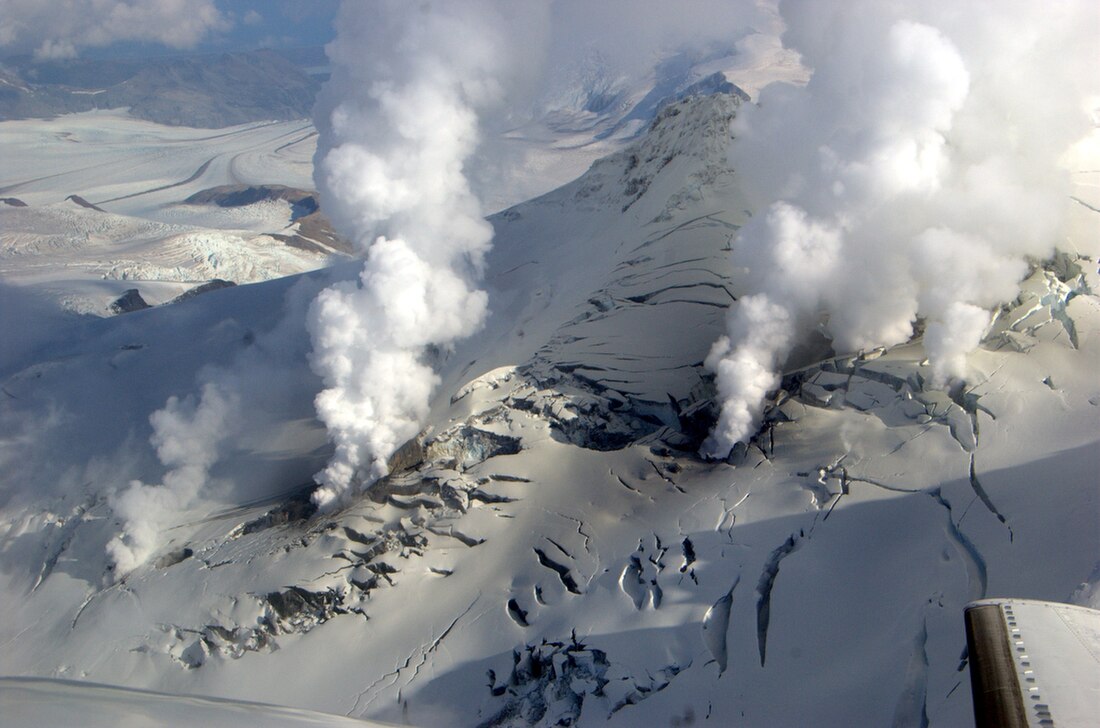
{"points": [[275, 23]]}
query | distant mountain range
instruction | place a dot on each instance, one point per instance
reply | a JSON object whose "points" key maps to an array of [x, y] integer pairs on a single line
{"points": [[200, 91]]}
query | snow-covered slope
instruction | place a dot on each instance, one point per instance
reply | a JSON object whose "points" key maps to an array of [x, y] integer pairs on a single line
{"points": [[132, 228], [550, 550], [139, 174], [30, 703]]}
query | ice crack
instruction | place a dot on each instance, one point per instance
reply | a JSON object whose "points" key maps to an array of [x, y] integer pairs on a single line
{"points": [[764, 589], [716, 624]]}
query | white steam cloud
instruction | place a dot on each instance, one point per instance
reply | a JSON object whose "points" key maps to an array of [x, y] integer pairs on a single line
{"points": [[910, 178], [59, 28], [397, 122], [186, 435]]}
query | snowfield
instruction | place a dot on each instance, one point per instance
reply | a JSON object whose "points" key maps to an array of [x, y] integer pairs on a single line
{"points": [[133, 167], [130, 227], [29, 701], [550, 550]]}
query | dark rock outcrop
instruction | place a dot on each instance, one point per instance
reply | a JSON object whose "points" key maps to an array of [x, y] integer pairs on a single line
{"points": [[78, 200], [303, 202], [314, 231], [211, 285], [128, 302]]}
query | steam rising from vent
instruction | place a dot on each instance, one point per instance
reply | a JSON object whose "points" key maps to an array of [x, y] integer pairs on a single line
{"points": [[186, 434], [909, 178], [397, 122]]}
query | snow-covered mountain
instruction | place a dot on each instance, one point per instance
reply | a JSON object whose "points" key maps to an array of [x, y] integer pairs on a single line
{"points": [[209, 91], [550, 550]]}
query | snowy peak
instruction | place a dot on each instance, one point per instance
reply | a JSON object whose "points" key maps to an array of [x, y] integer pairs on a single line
{"points": [[691, 134], [604, 324]]}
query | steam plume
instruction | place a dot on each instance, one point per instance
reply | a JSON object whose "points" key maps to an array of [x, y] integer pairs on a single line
{"points": [[397, 122], [909, 178], [241, 404], [186, 435]]}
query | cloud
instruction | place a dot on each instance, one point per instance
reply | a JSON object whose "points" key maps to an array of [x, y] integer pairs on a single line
{"points": [[60, 28], [910, 178], [633, 35]]}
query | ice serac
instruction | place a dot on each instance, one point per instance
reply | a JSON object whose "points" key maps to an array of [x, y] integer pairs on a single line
{"points": [[86, 258], [548, 684]]}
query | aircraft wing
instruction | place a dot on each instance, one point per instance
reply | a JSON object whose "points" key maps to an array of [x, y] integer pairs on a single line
{"points": [[1033, 664]]}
